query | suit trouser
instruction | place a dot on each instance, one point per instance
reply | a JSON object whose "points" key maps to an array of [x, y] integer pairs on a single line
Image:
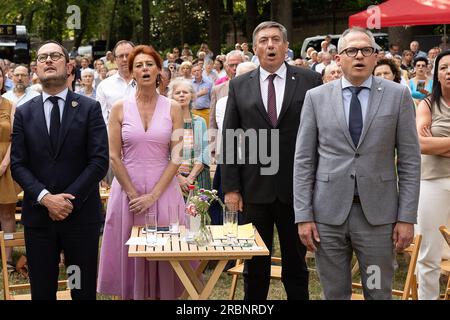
{"points": [[373, 248], [434, 211], [294, 270], [80, 245]]}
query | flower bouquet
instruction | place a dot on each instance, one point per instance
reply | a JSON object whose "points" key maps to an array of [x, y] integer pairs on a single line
{"points": [[198, 203]]}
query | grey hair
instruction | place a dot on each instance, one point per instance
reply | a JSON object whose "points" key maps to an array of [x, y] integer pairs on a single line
{"points": [[174, 83], [87, 70], [341, 42], [245, 67], [234, 53], [270, 24]]}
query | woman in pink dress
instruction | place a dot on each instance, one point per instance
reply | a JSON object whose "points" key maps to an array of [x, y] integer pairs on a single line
{"points": [[142, 131]]}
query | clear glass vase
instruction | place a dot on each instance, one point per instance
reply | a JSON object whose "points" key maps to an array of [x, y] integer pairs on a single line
{"points": [[203, 236]]}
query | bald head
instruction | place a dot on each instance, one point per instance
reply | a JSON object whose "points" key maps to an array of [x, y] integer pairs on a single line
{"points": [[21, 79]]}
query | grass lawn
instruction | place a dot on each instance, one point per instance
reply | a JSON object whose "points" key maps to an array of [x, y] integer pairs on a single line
{"points": [[276, 291]]}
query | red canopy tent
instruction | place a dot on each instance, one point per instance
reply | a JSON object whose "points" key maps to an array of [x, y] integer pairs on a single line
{"points": [[406, 13]]}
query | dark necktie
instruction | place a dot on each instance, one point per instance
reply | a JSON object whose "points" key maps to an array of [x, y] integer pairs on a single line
{"points": [[355, 123], [272, 101], [55, 123]]}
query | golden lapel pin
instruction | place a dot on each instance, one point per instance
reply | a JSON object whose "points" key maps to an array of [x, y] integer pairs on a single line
{"points": [[74, 104]]}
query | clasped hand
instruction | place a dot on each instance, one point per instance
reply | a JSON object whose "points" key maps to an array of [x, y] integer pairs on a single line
{"points": [[59, 205], [140, 204]]}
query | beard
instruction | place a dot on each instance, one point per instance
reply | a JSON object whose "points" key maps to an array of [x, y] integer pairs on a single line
{"points": [[20, 87], [56, 80]]}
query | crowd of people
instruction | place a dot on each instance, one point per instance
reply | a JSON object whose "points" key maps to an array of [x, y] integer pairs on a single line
{"points": [[363, 151]]}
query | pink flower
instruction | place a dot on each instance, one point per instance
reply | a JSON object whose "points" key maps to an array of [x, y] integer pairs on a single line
{"points": [[202, 190], [192, 210]]}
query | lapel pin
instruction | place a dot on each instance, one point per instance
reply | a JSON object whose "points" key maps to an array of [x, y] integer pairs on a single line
{"points": [[74, 104], [379, 89], [293, 78]]}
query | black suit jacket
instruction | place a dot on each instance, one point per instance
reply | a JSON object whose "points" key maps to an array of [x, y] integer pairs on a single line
{"points": [[77, 166], [245, 110]]}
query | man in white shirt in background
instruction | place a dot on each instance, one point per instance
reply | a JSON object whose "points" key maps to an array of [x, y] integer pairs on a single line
{"points": [[119, 85], [21, 92], [116, 87]]}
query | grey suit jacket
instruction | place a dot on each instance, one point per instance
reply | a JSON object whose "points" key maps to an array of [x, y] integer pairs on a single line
{"points": [[327, 163]]}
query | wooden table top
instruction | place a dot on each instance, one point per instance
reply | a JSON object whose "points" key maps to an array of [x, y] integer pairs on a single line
{"points": [[178, 249]]}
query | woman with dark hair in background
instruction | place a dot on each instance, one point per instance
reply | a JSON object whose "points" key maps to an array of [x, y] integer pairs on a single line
{"points": [[387, 69], [420, 85], [433, 127], [164, 80]]}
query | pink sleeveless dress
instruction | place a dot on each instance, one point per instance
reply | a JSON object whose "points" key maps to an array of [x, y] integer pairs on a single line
{"points": [[145, 155]]}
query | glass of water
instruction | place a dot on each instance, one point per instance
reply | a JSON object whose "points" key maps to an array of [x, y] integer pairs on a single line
{"points": [[230, 226], [151, 226]]}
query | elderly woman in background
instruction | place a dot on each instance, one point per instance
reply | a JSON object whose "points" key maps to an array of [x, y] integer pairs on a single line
{"points": [[209, 71], [186, 70], [433, 127], [195, 164], [387, 69], [144, 139], [87, 80]]}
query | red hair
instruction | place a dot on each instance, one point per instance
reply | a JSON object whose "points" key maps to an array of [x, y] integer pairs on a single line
{"points": [[144, 50]]}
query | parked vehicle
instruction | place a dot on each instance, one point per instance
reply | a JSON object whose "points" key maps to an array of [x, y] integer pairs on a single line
{"points": [[380, 38], [14, 43]]}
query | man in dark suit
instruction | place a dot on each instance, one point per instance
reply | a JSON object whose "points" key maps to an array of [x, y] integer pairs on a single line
{"points": [[59, 154], [267, 101]]}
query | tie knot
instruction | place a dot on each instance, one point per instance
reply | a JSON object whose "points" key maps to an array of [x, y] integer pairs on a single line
{"points": [[271, 77], [53, 100], [356, 90]]}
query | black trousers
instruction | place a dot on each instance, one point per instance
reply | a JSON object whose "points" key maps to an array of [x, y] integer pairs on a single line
{"points": [[80, 245], [294, 270]]}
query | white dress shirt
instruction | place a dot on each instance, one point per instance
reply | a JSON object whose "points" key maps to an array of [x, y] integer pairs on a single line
{"points": [[48, 106], [18, 101], [363, 97], [221, 106], [279, 82], [111, 90]]}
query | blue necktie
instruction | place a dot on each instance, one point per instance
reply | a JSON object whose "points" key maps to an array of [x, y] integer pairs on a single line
{"points": [[355, 121], [55, 123]]}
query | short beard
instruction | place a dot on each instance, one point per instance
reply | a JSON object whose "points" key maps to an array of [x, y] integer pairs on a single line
{"points": [[54, 81], [20, 87]]}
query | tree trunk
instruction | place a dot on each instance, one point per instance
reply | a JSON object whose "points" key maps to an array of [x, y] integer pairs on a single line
{"points": [[283, 14], [111, 26], [252, 17], [401, 36], [79, 34], [214, 35], [181, 4], [145, 22]]}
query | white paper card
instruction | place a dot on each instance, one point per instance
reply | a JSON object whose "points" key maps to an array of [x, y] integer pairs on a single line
{"points": [[140, 241]]}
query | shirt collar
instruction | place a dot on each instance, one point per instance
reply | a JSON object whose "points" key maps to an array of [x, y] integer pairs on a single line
{"points": [[366, 84], [62, 95], [281, 72]]}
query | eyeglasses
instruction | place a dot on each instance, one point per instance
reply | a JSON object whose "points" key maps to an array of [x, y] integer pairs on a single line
{"points": [[122, 56], [55, 56], [353, 52]]}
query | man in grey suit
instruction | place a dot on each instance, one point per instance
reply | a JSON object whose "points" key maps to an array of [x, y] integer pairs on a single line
{"points": [[350, 194]]}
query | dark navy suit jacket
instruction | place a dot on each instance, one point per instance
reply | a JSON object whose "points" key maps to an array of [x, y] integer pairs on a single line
{"points": [[76, 167]]}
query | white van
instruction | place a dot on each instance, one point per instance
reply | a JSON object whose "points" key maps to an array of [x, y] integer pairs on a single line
{"points": [[380, 38]]}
